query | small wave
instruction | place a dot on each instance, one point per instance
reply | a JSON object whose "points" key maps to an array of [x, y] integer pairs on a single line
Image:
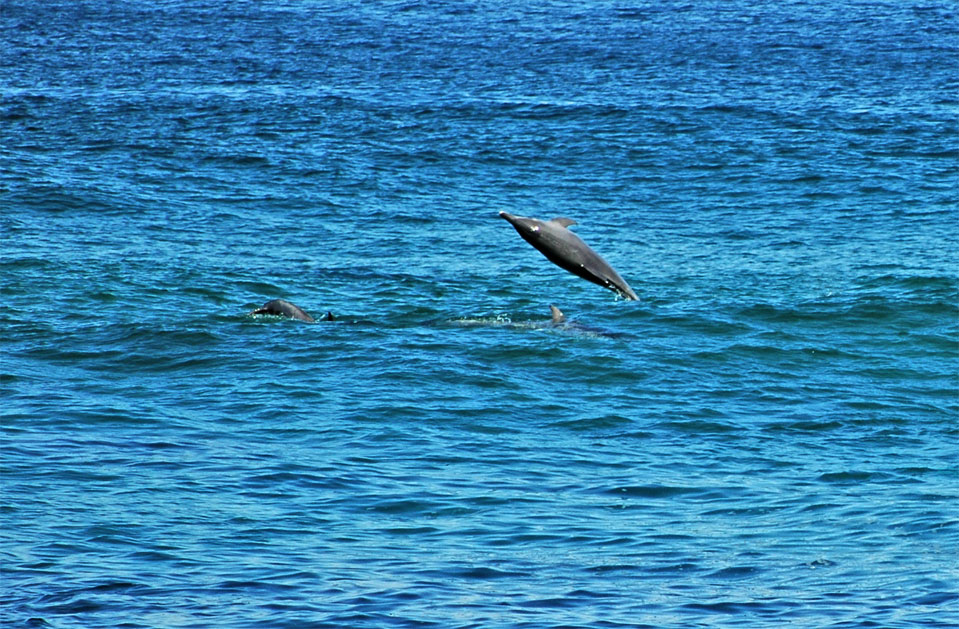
{"points": [[934, 599], [736, 572], [700, 427], [245, 586], [805, 425], [613, 568], [595, 423], [404, 507]]}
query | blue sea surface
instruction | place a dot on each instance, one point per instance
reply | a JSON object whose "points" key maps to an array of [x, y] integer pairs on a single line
{"points": [[769, 437]]}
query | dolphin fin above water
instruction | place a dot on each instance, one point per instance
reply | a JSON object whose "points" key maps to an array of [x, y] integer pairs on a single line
{"points": [[568, 251], [557, 323], [557, 315], [560, 322]]}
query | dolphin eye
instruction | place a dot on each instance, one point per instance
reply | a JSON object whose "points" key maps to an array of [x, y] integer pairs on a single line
{"points": [[534, 228]]}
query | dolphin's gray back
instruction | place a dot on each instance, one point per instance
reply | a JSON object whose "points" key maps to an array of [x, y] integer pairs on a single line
{"points": [[283, 308]]}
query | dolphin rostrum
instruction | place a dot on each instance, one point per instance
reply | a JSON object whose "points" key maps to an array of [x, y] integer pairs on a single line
{"points": [[568, 251], [283, 308]]}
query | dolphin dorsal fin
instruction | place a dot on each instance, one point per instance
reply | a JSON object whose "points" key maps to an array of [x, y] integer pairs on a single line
{"points": [[558, 316], [563, 221]]}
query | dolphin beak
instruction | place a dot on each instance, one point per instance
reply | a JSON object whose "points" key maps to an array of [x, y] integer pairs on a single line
{"points": [[509, 217]]}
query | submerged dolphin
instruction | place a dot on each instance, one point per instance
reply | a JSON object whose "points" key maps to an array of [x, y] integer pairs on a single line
{"points": [[557, 322], [568, 251], [283, 308]]}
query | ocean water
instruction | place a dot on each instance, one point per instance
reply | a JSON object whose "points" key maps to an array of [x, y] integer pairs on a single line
{"points": [[767, 438]]}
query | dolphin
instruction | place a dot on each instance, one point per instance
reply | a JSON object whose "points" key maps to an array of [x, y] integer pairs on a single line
{"points": [[283, 308], [568, 251], [557, 322], [556, 315]]}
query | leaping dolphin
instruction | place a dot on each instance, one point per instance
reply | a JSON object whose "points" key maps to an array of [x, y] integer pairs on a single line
{"points": [[283, 308], [568, 251]]}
